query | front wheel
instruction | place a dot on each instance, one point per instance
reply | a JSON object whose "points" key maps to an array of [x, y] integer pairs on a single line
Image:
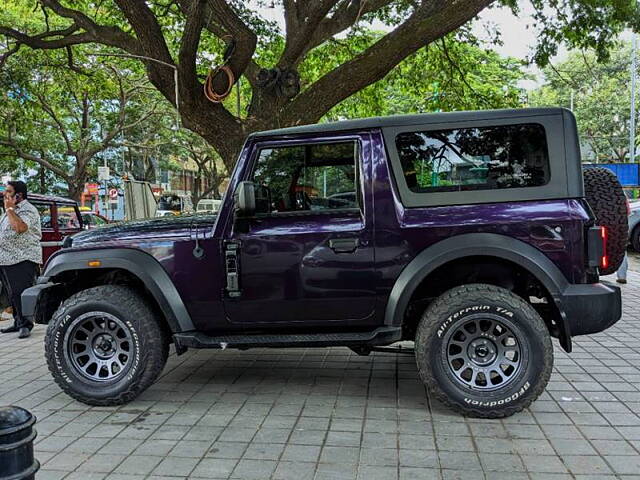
{"points": [[483, 351], [104, 346]]}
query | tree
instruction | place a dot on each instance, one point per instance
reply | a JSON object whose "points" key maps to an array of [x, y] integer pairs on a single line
{"points": [[600, 95], [208, 175], [62, 123], [445, 76], [177, 36]]}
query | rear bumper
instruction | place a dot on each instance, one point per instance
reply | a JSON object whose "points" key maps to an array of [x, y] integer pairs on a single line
{"points": [[590, 308]]}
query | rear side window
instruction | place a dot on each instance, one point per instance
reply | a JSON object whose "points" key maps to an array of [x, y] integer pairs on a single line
{"points": [[479, 158]]}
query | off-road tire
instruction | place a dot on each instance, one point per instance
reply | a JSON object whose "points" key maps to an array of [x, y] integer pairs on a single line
{"points": [[609, 204], [456, 309], [149, 343]]}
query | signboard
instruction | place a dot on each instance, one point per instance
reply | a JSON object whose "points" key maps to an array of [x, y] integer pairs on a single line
{"points": [[91, 188], [113, 194], [103, 174]]}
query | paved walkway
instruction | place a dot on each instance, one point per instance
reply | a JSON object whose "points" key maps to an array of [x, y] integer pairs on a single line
{"points": [[329, 414]]}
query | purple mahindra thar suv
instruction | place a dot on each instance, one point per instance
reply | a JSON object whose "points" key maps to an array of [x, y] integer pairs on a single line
{"points": [[473, 234]]}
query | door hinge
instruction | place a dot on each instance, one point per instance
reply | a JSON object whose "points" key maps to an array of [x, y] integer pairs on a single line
{"points": [[232, 266]]}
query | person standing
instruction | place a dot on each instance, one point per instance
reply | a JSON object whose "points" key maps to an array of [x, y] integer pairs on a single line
{"points": [[20, 251], [621, 274]]}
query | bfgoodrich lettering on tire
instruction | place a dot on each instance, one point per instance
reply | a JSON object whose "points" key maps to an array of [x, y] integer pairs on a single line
{"points": [[483, 351], [104, 346]]}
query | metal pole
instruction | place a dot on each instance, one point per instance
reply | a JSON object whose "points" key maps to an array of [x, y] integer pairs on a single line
{"points": [[106, 194], [632, 119], [571, 104]]}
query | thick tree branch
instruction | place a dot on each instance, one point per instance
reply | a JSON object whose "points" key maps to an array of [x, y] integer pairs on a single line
{"points": [[107, 35], [188, 48], [8, 142], [302, 20], [426, 24], [223, 15], [322, 28], [221, 20], [147, 30], [42, 41]]}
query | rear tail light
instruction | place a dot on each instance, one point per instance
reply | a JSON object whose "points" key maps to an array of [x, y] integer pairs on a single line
{"points": [[604, 261], [597, 247]]}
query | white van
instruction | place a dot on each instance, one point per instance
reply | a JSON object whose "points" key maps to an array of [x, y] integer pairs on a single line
{"points": [[208, 206]]}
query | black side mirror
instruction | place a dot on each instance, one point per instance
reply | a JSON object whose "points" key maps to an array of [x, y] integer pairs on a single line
{"points": [[245, 199]]}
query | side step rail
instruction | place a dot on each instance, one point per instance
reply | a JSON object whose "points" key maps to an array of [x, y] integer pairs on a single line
{"points": [[379, 336]]}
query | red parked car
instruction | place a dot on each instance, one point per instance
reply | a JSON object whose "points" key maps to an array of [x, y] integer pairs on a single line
{"points": [[60, 218]]}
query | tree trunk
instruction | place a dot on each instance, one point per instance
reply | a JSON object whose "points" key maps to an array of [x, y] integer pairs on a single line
{"points": [[195, 191], [43, 180], [75, 191], [76, 183]]}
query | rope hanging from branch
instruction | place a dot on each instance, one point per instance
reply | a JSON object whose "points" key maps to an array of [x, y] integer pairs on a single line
{"points": [[209, 91]]}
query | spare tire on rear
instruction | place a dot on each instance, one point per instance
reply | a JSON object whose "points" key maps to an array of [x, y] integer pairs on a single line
{"points": [[609, 204]]}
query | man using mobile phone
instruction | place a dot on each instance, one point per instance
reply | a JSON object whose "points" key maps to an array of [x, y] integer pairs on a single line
{"points": [[20, 251]]}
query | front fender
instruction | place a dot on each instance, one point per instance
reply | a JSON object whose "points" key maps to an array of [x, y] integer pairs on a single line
{"points": [[138, 263], [479, 244]]}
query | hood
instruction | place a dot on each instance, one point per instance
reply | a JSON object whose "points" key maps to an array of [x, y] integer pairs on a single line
{"points": [[160, 228]]}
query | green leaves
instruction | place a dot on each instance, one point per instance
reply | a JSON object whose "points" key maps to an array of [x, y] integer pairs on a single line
{"points": [[448, 75], [600, 92], [584, 24]]}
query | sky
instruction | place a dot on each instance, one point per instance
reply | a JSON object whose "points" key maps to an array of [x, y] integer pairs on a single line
{"points": [[517, 37]]}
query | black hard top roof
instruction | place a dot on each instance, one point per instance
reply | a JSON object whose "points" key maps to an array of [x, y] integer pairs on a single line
{"points": [[37, 197], [405, 120]]}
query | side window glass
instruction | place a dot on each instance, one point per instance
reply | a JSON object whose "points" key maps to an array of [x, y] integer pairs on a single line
{"points": [[482, 158], [44, 209], [68, 219], [316, 177]]}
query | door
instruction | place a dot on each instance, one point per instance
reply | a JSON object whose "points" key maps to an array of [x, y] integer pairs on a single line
{"points": [[309, 258]]}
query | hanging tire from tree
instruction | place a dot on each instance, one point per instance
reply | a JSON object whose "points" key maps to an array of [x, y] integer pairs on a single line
{"points": [[609, 204]]}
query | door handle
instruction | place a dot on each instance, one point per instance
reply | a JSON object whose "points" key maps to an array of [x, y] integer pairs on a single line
{"points": [[343, 245]]}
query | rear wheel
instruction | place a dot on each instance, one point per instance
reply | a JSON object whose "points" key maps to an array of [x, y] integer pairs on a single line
{"points": [[104, 346], [609, 204], [483, 351]]}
